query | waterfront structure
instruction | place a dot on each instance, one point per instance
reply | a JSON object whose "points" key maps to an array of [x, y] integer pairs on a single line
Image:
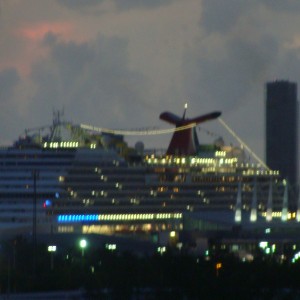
{"points": [[282, 131], [92, 182]]}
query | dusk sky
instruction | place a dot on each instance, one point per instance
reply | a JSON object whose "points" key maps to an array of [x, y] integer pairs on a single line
{"points": [[120, 63]]}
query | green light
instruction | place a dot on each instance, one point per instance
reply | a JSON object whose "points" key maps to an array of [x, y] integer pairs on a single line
{"points": [[268, 230], [263, 244], [82, 244]]}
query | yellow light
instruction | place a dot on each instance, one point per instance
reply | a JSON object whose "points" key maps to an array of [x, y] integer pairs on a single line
{"points": [[172, 234], [51, 248]]}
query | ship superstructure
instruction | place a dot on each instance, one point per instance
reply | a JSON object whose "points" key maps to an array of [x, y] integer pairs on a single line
{"points": [[91, 182]]}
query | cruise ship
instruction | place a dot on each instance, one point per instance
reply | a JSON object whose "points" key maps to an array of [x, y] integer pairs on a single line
{"points": [[69, 178]]}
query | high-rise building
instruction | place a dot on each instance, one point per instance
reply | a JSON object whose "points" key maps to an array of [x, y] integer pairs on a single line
{"points": [[282, 129]]}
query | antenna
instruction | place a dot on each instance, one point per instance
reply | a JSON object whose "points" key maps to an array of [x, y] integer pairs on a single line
{"points": [[185, 108]]}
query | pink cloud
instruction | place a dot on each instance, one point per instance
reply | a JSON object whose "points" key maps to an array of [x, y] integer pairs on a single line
{"points": [[38, 31], [32, 35]]}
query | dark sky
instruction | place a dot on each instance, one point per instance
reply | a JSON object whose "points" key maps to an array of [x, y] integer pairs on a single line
{"points": [[119, 64]]}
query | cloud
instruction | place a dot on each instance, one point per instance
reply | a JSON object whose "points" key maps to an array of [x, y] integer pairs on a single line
{"points": [[37, 31], [121, 4], [141, 57], [9, 82], [291, 6], [226, 82], [9, 78], [239, 48], [79, 4], [222, 16], [93, 79]]}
